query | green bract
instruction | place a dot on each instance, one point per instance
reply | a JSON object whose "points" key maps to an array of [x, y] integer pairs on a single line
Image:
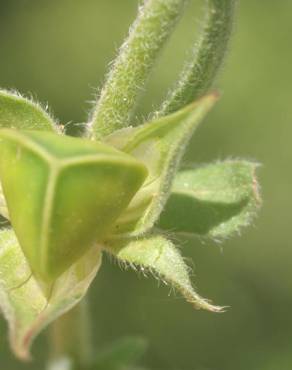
{"points": [[159, 144], [224, 194], [25, 304], [63, 194]]}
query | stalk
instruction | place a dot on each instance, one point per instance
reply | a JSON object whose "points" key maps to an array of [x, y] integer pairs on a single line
{"points": [[207, 57], [126, 78]]}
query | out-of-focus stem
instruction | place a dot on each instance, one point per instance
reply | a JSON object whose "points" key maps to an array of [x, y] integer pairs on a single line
{"points": [[70, 340]]}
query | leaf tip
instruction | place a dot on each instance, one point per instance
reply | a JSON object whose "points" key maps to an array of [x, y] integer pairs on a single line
{"points": [[21, 351], [200, 303], [215, 95], [207, 100]]}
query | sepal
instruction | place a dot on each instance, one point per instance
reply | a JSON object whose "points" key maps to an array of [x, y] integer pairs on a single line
{"points": [[160, 257], [23, 114], [25, 301], [215, 200], [160, 145]]}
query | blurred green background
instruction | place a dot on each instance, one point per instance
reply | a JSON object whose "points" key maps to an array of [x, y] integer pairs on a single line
{"points": [[58, 51]]}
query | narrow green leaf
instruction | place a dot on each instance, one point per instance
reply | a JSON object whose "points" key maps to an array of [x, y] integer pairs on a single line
{"points": [[129, 72], [63, 194], [122, 354], [215, 200], [20, 113], [22, 300], [160, 257], [207, 57], [160, 145]]}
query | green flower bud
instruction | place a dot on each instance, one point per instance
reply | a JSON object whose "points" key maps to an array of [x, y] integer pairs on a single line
{"points": [[63, 194]]}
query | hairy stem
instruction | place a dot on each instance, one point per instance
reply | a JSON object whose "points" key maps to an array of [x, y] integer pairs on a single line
{"points": [[207, 56], [155, 21], [70, 340]]}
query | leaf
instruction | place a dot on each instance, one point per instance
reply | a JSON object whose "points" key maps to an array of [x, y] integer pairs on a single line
{"points": [[215, 200], [121, 355], [159, 256], [63, 194], [20, 113], [23, 300], [160, 145]]}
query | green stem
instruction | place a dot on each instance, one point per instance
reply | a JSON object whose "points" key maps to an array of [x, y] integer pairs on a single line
{"points": [[208, 54], [70, 340], [155, 21]]}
